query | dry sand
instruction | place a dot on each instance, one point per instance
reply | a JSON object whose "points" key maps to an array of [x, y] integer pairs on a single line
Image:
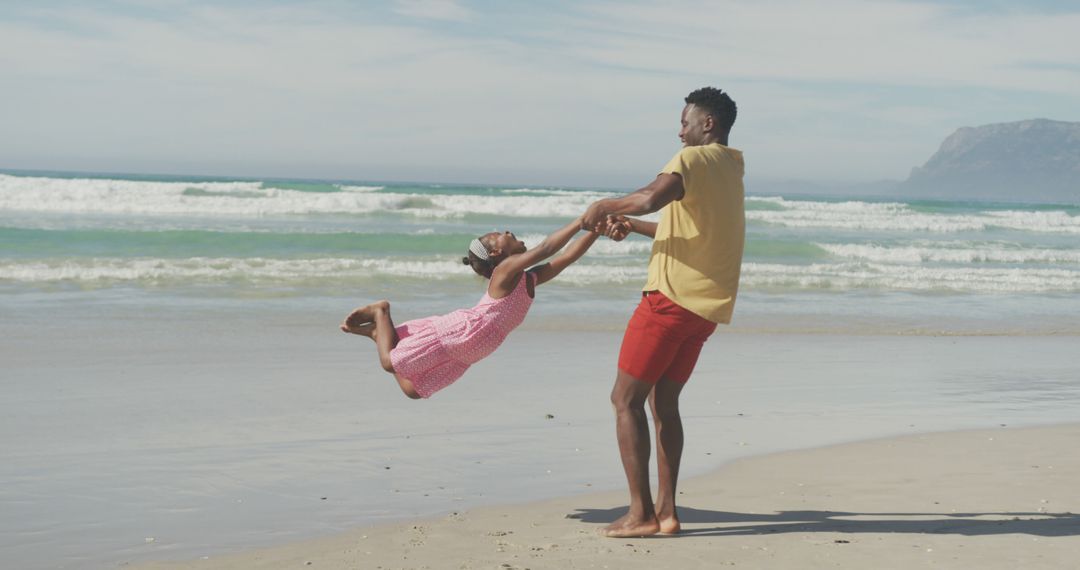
{"points": [[988, 499]]}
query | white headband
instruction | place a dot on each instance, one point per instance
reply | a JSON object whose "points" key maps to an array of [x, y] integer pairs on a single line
{"points": [[478, 249]]}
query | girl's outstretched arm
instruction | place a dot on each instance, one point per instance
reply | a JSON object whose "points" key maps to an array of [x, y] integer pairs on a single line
{"points": [[507, 271], [548, 271]]}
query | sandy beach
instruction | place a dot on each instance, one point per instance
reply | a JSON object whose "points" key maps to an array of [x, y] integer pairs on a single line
{"points": [[1000, 498], [209, 439], [212, 442]]}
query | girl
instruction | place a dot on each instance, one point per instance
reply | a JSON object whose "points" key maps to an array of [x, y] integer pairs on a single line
{"points": [[427, 355]]}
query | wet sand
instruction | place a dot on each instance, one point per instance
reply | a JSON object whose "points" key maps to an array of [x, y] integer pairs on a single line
{"points": [[999, 498]]}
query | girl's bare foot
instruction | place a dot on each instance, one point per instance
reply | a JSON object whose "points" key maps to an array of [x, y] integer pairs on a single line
{"points": [[362, 321], [366, 329], [627, 527]]}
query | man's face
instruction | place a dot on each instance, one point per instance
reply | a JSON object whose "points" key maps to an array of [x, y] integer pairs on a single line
{"points": [[693, 126]]}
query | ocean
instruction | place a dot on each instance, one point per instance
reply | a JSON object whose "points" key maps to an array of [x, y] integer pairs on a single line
{"points": [[871, 265], [174, 386]]}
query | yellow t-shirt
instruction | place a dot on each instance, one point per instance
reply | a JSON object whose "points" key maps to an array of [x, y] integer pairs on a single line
{"points": [[698, 248]]}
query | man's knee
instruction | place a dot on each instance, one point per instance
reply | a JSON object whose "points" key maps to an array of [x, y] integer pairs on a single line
{"points": [[624, 405], [629, 394]]}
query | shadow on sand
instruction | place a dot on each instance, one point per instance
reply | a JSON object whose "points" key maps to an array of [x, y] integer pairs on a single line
{"points": [[968, 524]]}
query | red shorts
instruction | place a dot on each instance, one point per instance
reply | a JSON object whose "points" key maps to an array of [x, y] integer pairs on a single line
{"points": [[662, 340]]}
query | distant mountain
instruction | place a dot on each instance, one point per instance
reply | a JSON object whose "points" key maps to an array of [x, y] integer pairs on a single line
{"points": [[1027, 161]]}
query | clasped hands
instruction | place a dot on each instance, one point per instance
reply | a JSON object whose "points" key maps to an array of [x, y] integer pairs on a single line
{"points": [[615, 227]]}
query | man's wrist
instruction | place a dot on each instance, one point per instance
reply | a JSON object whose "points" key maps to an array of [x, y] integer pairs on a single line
{"points": [[604, 206], [595, 213]]}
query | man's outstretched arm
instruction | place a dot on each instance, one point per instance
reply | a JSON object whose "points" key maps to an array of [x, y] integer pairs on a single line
{"points": [[665, 189]]}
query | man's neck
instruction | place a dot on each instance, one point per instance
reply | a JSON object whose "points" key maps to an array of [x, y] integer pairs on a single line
{"points": [[718, 138]]}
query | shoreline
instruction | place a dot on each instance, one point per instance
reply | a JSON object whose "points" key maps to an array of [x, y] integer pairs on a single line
{"points": [[988, 498]]}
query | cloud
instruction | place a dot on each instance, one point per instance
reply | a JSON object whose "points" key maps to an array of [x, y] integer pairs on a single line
{"points": [[869, 42], [569, 93], [433, 10]]}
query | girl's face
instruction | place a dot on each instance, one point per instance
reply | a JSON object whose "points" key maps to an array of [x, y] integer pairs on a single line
{"points": [[506, 241]]}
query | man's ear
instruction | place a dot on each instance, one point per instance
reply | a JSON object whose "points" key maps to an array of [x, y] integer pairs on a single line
{"points": [[710, 123]]}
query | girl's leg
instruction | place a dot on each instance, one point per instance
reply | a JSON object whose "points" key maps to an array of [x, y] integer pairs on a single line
{"points": [[374, 322], [386, 338]]}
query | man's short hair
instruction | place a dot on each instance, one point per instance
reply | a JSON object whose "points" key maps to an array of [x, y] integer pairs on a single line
{"points": [[716, 103]]}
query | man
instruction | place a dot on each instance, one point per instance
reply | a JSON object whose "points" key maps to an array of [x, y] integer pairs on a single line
{"points": [[693, 279]]}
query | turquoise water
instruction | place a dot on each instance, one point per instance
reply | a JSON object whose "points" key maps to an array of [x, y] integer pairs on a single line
{"points": [[175, 237]]}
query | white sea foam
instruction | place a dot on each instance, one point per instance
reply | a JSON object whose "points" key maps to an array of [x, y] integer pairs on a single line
{"points": [[203, 270], [937, 253], [1054, 221], [102, 196], [587, 274], [568, 206], [607, 247], [848, 206], [875, 276], [855, 215], [216, 270], [254, 199], [756, 276], [550, 192], [361, 189], [894, 216]]}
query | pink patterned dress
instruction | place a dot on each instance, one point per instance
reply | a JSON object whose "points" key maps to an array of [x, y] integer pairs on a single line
{"points": [[434, 352]]}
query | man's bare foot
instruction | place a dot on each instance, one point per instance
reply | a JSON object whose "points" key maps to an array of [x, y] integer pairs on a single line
{"points": [[361, 321], [669, 520], [670, 525], [627, 527]]}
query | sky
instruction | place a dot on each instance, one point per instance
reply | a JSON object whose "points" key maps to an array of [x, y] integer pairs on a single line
{"points": [[575, 93]]}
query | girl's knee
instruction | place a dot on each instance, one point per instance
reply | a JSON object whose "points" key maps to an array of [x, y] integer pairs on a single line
{"points": [[407, 387]]}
